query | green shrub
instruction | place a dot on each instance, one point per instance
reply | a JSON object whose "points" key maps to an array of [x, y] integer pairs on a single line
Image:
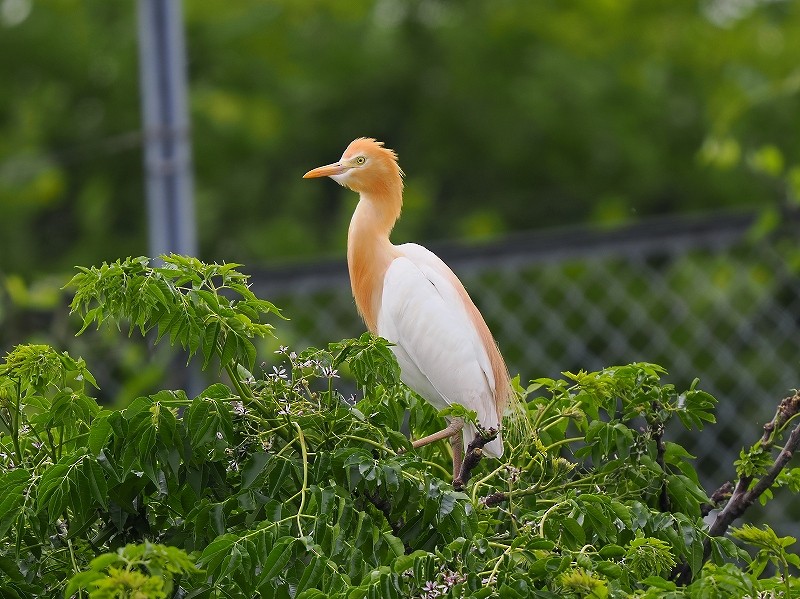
{"points": [[277, 485]]}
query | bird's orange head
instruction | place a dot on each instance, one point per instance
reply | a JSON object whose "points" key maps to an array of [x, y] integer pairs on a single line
{"points": [[365, 167]]}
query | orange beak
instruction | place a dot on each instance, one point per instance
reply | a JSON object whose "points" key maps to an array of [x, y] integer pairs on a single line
{"points": [[337, 168]]}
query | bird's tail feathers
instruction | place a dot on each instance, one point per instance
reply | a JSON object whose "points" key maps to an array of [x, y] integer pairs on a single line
{"points": [[517, 426]]}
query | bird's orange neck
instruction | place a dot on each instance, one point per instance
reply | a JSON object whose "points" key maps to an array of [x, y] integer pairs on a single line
{"points": [[369, 251]]}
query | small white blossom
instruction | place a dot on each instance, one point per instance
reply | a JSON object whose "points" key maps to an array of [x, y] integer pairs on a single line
{"points": [[219, 435], [238, 408], [431, 590], [452, 578], [330, 372], [282, 349], [513, 473]]}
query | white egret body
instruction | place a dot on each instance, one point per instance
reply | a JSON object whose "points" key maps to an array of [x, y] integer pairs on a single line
{"points": [[407, 295]]}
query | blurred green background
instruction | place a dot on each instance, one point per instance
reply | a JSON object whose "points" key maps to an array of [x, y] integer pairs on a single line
{"points": [[509, 115]]}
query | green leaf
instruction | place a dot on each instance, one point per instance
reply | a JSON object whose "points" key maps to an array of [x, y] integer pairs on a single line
{"points": [[254, 468], [405, 562], [248, 350], [312, 573], [217, 551], [458, 411], [99, 433], [229, 349], [659, 583], [312, 594], [98, 487], [395, 544], [56, 483], [12, 484], [609, 551], [609, 569], [101, 562], [280, 555], [573, 532], [209, 342], [82, 580]]}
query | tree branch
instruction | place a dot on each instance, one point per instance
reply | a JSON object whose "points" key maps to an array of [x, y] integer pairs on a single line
{"points": [[717, 498], [473, 457], [743, 496]]}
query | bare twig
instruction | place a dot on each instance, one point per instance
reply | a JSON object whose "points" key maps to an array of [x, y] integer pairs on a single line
{"points": [[717, 498], [473, 457], [494, 499]]}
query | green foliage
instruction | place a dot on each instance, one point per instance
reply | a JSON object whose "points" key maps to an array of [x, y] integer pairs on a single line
{"points": [[275, 484], [771, 549], [135, 571], [185, 298], [648, 556]]}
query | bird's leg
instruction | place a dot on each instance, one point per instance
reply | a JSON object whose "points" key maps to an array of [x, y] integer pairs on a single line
{"points": [[454, 427], [457, 442], [453, 431]]}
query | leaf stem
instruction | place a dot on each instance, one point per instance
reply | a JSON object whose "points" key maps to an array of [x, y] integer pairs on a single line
{"points": [[538, 423], [244, 393], [15, 416], [563, 442], [375, 444], [305, 476], [482, 482], [545, 516]]}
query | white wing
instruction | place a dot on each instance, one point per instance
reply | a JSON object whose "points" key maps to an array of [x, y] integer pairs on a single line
{"points": [[440, 353]]}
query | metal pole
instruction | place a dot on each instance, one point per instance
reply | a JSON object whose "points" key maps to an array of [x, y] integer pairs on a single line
{"points": [[167, 156], [167, 141]]}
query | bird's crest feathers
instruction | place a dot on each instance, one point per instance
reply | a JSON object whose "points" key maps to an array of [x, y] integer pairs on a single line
{"points": [[372, 148]]}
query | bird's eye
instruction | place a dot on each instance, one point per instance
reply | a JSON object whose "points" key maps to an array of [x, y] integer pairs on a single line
{"points": [[360, 160]]}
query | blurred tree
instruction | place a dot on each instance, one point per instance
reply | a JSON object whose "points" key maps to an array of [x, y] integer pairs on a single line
{"points": [[508, 115]]}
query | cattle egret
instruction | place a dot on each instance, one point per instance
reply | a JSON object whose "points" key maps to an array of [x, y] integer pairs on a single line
{"points": [[408, 296]]}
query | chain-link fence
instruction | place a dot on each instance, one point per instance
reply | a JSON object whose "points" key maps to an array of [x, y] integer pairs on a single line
{"points": [[702, 298]]}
